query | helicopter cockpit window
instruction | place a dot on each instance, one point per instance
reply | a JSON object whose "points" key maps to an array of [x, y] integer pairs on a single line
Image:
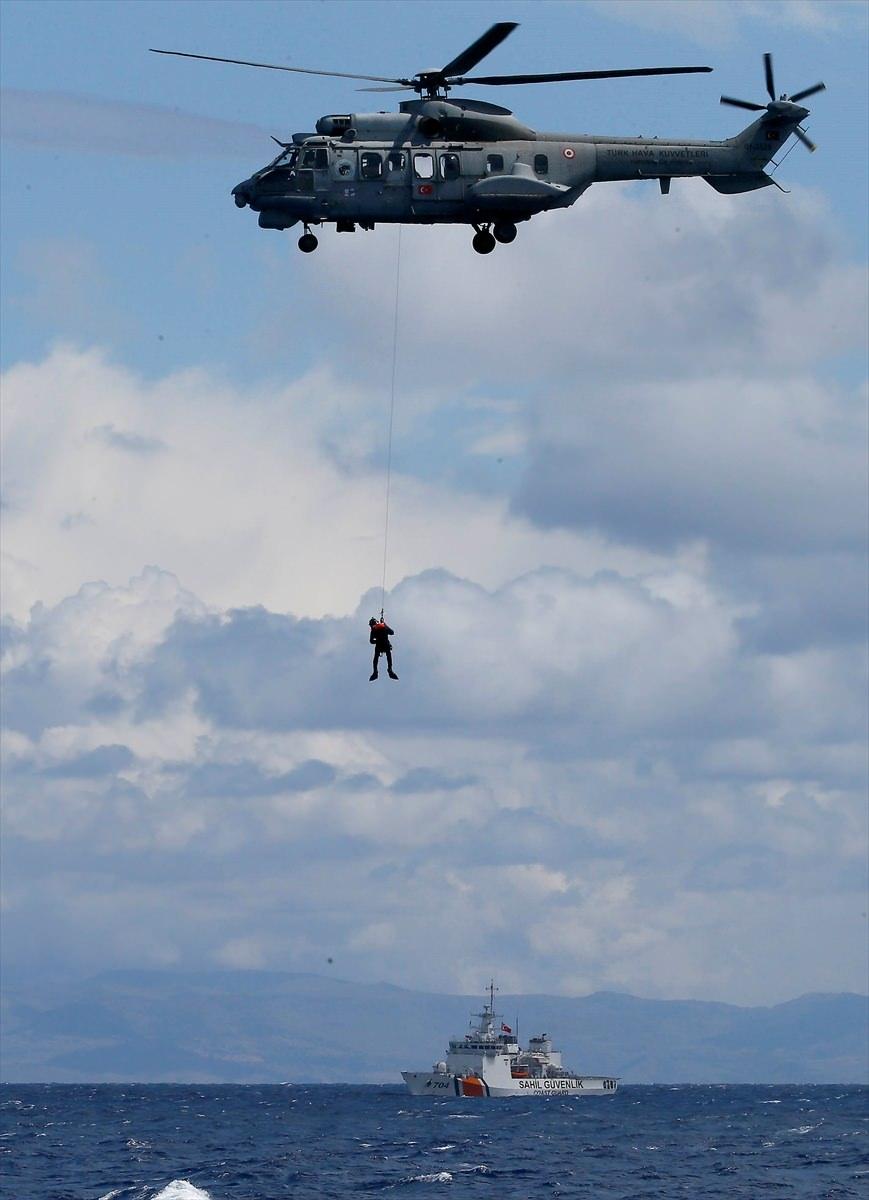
{"points": [[286, 158], [317, 158], [395, 161], [370, 165], [451, 168], [423, 166], [541, 164], [494, 164]]}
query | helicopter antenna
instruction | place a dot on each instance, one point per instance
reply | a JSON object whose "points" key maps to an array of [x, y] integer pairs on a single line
{"points": [[391, 422]]}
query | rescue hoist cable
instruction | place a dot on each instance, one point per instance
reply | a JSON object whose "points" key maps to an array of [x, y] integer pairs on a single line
{"points": [[391, 422]]}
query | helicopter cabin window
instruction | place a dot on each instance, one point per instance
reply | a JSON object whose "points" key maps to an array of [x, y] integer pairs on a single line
{"points": [[541, 164], [451, 167], [370, 165], [423, 166], [494, 164], [318, 159], [395, 161]]}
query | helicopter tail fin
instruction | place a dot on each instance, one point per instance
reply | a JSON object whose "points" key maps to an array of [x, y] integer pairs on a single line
{"points": [[763, 139]]}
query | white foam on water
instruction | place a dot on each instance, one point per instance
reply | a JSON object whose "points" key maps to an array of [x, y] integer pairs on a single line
{"points": [[181, 1189], [436, 1177]]}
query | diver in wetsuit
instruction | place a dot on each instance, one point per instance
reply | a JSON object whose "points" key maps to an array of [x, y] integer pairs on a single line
{"points": [[379, 639]]}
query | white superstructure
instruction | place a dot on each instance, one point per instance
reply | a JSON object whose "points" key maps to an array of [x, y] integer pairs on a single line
{"points": [[488, 1061]]}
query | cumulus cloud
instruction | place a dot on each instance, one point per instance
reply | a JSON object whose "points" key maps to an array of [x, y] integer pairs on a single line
{"points": [[590, 807], [774, 465], [626, 285], [264, 494]]}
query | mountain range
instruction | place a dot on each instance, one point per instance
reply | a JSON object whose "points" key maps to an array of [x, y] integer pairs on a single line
{"points": [[270, 1027]]}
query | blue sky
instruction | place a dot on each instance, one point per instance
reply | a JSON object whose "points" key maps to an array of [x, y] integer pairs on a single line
{"points": [[627, 565]]}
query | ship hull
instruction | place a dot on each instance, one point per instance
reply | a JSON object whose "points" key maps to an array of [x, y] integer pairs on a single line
{"points": [[430, 1083]]}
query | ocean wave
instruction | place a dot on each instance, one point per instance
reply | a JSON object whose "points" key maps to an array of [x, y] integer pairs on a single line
{"points": [[434, 1177], [181, 1189]]}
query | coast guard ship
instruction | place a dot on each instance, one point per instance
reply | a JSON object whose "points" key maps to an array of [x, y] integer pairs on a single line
{"points": [[488, 1061]]}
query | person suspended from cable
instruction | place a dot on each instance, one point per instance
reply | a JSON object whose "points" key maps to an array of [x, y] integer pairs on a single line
{"points": [[379, 636]]}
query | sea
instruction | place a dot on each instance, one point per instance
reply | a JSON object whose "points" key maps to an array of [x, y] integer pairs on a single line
{"points": [[174, 1142]]}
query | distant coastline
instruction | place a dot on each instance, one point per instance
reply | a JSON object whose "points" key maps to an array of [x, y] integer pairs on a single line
{"points": [[272, 1027]]}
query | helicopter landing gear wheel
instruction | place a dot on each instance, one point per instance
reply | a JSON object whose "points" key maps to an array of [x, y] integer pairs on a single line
{"points": [[505, 232], [308, 242], [483, 242]]}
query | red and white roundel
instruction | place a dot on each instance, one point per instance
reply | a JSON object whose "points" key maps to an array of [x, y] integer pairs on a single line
{"points": [[425, 189], [569, 152]]}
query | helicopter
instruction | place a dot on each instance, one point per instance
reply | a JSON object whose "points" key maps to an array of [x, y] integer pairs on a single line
{"points": [[450, 160]]}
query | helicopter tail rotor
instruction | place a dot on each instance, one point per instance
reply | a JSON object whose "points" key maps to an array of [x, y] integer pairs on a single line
{"points": [[786, 107]]}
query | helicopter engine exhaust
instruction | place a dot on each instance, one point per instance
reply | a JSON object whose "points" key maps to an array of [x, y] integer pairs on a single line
{"points": [[430, 127]]}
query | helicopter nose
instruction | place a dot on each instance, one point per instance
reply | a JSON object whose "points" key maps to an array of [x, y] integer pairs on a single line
{"points": [[241, 193]]}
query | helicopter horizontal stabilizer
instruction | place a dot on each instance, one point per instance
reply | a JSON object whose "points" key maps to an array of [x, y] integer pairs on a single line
{"points": [[730, 185]]}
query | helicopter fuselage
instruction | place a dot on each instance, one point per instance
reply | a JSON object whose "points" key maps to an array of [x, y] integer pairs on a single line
{"points": [[474, 163]]}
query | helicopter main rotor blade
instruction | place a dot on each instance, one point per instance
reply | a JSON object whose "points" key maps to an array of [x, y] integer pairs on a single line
{"points": [[819, 87], [241, 62], [400, 88], [767, 70], [564, 76], [480, 48], [743, 104], [807, 141]]}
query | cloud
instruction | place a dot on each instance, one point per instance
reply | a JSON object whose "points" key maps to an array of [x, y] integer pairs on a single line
{"points": [[713, 22], [134, 443], [67, 122], [262, 494], [424, 779], [246, 778], [104, 760], [777, 465], [626, 285], [631, 714]]}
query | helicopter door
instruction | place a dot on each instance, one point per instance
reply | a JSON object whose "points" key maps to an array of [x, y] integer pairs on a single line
{"points": [[424, 177], [450, 185], [396, 169], [313, 170]]}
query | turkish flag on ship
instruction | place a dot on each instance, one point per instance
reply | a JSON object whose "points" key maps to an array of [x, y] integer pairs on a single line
{"points": [[506, 1029]]}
